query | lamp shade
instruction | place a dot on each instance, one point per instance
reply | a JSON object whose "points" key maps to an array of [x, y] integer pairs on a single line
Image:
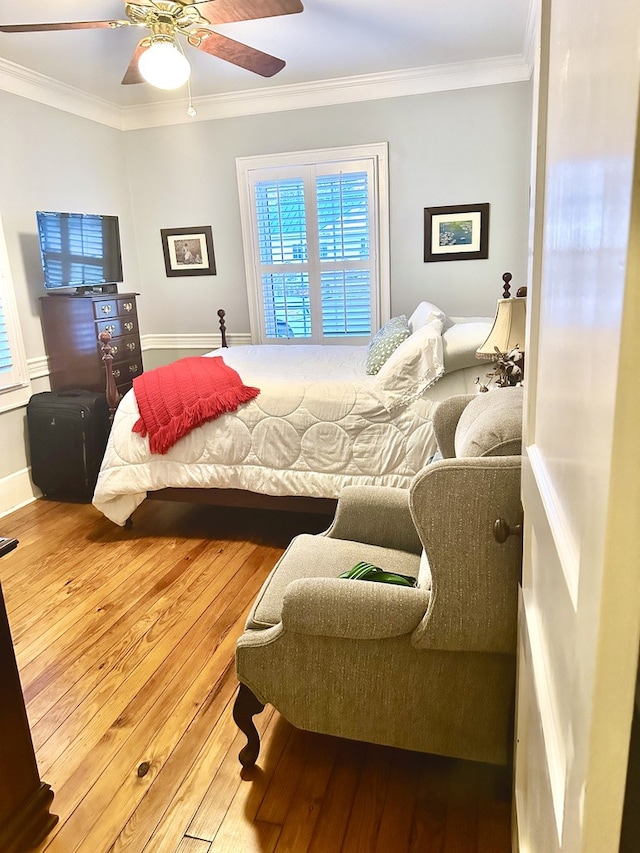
{"points": [[508, 329], [164, 66]]}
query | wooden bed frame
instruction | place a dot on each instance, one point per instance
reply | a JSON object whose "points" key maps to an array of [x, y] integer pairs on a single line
{"points": [[237, 497], [215, 496]]}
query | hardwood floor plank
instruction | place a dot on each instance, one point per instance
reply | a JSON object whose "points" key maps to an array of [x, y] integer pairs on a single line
{"points": [[301, 818], [91, 657], [240, 829], [132, 661], [154, 737], [205, 774], [193, 845], [397, 816], [368, 804], [145, 724], [335, 810], [284, 784], [430, 811], [461, 830], [494, 812], [149, 661]]}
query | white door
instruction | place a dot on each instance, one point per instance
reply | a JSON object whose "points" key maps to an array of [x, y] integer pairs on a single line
{"points": [[580, 603]]}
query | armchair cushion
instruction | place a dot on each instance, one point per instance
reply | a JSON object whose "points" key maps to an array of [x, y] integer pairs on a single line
{"points": [[333, 607], [491, 425], [315, 557]]}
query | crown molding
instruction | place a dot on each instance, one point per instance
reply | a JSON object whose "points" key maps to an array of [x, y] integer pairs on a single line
{"points": [[342, 90], [37, 87]]}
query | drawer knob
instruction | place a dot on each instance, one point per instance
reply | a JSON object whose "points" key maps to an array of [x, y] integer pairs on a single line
{"points": [[128, 306], [128, 327], [106, 309], [131, 346], [116, 373], [110, 328], [133, 368]]}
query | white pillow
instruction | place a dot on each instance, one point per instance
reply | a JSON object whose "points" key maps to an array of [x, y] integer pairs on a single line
{"points": [[461, 340], [412, 367], [424, 313]]}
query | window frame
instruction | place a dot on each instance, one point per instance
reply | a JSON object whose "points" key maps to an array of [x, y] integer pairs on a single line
{"points": [[17, 391], [324, 158]]}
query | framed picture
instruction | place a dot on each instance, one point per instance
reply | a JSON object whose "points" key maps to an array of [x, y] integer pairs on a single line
{"points": [[456, 233], [188, 251]]}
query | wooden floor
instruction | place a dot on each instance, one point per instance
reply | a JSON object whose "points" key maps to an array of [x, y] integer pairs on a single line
{"points": [[125, 644]]}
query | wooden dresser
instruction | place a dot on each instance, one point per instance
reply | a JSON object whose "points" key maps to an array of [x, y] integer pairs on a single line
{"points": [[71, 325]]}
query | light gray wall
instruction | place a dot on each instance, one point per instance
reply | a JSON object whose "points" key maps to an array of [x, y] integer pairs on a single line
{"points": [[457, 147], [460, 147], [52, 160]]}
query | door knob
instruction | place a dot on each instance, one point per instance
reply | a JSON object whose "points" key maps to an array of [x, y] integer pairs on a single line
{"points": [[502, 530]]}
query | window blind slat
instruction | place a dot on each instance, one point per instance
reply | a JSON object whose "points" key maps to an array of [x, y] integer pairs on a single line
{"points": [[315, 248]]}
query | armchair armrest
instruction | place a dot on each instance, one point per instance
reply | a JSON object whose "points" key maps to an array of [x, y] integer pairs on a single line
{"points": [[445, 420], [378, 515], [455, 502], [356, 610]]}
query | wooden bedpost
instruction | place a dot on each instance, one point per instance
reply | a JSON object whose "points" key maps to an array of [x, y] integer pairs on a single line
{"points": [[113, 397], [223, 328]]}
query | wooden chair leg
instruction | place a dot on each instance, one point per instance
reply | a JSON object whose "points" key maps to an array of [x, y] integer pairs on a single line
{"points": [[245, 706]]}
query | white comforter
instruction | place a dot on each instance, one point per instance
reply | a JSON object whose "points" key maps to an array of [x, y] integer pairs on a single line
{"points": [[318, 424]]}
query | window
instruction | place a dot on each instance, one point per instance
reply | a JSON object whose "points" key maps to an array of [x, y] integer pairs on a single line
{"points": [[14, 383], [315, 231]]}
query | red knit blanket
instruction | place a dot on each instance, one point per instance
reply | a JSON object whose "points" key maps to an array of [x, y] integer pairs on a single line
{"points": [[175, 399]]}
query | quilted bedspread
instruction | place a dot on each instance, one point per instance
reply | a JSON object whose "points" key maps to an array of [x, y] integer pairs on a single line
{"points": [[318, 424]]}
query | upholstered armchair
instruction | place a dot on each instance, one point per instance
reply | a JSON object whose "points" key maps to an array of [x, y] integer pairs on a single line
{"points": [[428, 668]]}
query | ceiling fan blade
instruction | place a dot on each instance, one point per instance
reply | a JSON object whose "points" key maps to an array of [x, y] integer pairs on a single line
{"points": [[236, 52], [72, 25], [230, 11], [132, 74]]}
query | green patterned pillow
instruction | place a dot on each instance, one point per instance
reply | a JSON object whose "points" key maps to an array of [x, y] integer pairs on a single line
{"points": [[385, 341]]}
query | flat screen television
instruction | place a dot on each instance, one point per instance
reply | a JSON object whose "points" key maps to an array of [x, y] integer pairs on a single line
{"points": [[79, 250]]}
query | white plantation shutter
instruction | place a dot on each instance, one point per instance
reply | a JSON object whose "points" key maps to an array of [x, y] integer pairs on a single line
{"points": [[312, 233], [5, 350], [344, 237], [13, 369], [79, 240]]}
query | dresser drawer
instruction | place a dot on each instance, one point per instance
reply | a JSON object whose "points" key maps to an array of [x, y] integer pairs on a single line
{"points": [[126, 307], [127, 371], [105, 308], [114, 308], [123, 349], [119, 326]]}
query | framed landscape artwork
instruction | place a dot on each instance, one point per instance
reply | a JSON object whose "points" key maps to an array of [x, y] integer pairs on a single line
{"points": [[456, 233], [188, 251]]}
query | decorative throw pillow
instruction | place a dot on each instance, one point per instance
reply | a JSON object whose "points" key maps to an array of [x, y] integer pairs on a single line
{"points": [[385, 341]]}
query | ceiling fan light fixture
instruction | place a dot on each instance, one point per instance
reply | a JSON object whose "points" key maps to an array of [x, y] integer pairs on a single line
{"points": [[164, 66]]}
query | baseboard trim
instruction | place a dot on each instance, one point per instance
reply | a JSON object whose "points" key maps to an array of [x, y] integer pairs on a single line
{"points": [[17, 491]]}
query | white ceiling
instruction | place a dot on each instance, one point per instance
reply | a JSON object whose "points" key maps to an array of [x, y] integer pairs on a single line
{"points": [[330, 39]]}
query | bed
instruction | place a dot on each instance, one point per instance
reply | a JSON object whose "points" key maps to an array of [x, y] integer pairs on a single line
{"points": [[320, 422]]}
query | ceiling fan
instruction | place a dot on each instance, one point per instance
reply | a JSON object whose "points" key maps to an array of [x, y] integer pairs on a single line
{"points": [[158, 57]]}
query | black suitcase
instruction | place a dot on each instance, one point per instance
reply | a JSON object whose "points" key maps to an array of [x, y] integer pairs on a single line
{"points": [[68, 433]]}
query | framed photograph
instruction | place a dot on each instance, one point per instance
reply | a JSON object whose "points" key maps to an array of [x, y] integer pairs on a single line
{"points": [[188, 251], [456, 233]]}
